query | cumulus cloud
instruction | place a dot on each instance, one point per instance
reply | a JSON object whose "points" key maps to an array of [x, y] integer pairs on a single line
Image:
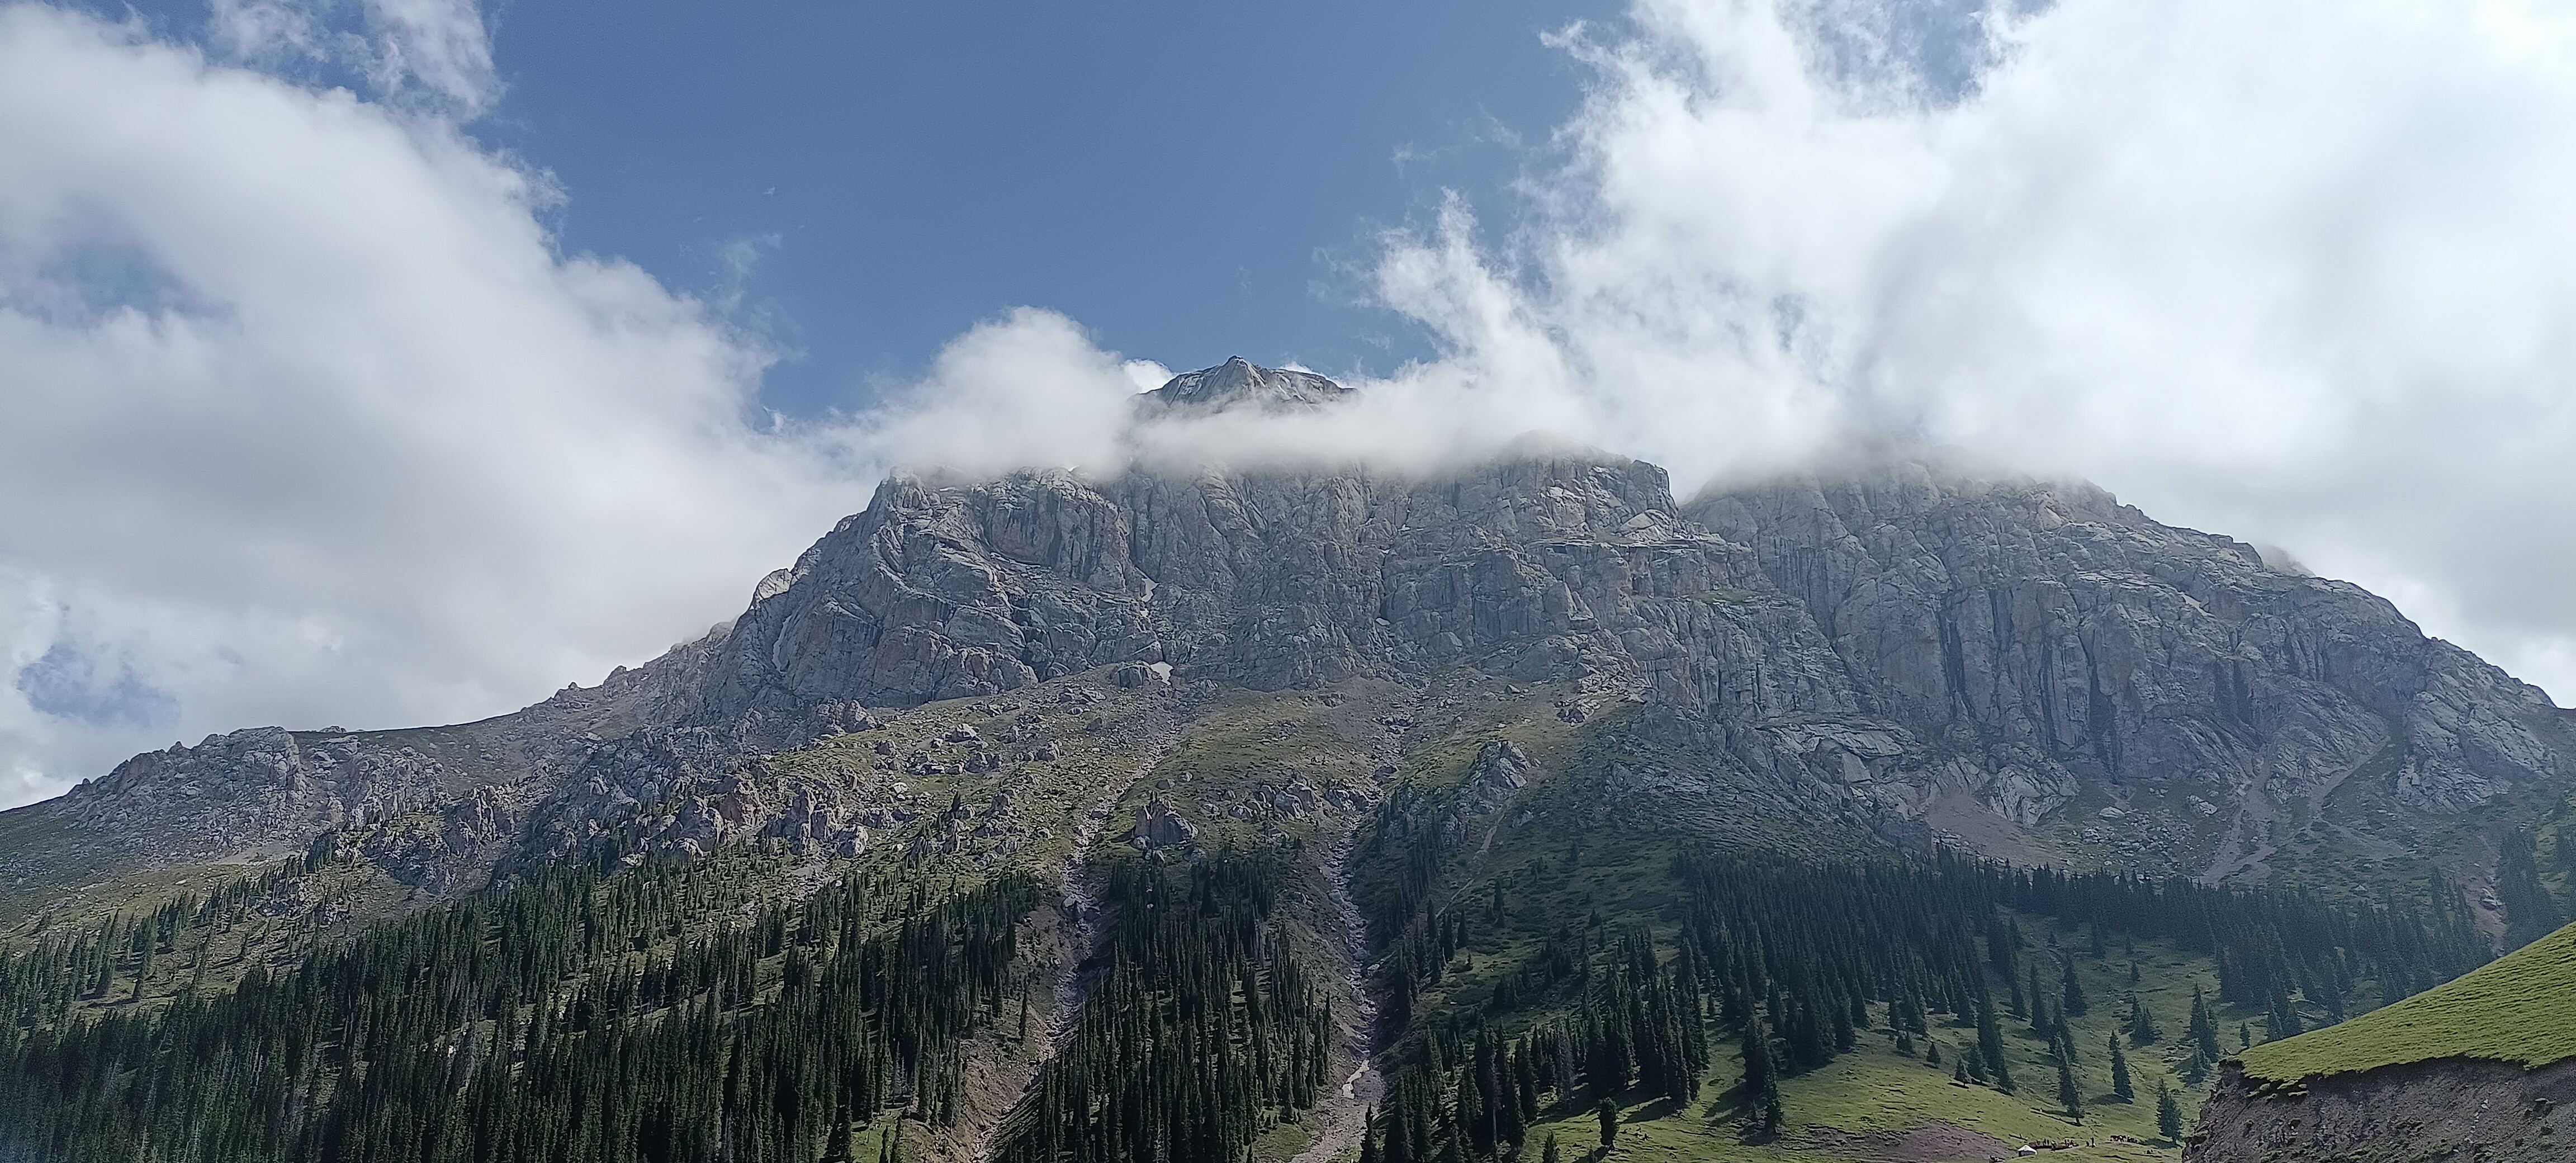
{"points": [[305, 419], [1029, 390], [2298, 270]]}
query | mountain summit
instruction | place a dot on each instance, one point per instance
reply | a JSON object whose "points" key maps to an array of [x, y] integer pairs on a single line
{"points": [[1239, 382]]}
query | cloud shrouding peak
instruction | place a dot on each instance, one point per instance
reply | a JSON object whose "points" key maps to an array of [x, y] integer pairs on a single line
{"points": [[308, 420], [2297, 270]]}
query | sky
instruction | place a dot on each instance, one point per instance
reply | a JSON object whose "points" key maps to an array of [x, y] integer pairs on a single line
{"points": [[377, 362]]}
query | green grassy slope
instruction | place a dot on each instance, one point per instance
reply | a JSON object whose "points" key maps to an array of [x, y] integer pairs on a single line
{"points": [[2520, 1008], [1866, 1100]]}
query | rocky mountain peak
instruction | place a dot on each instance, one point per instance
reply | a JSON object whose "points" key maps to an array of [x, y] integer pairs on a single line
{"points": [[1239, 382], [2026, 668]]}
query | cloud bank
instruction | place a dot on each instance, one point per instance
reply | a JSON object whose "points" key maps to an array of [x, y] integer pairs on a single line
{"points": [[305, 418]]}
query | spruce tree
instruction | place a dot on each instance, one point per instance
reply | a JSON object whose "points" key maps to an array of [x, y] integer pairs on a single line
{"points": [[1548, 1154], [1761, 1072], [2120, 1087], [2142, 1023], [1475, 1113], [1990, 1041], [2204, 1027], [2168, 1113], [1608, 1112], [2068, 1094], [2074, 1006]]}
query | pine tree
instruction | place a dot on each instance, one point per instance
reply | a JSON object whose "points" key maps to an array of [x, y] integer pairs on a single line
{"points": [[1761, 1073], [2068, 1094], [1548, 1154], [2142, 1022], [1399, 1127], [2120, 1087], [1990, 1041], [1608, 1112], [1475, 1112], [2204, 1027], [2168, 1113], [2073, 1006]]}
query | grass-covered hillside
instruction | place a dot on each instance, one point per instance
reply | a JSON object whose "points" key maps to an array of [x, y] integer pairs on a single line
{"points": [[2520, 1008]]}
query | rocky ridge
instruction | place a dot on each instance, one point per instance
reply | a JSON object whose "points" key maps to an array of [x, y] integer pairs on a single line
{"points": [[2028, 668]]}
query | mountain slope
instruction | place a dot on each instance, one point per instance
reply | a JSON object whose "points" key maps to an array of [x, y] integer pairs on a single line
{"points": [[2519, 1009], [2474, 1068]]}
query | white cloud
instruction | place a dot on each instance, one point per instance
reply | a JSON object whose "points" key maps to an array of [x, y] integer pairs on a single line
{"points": [[2299, 270], [408, 50], [303, 418], [1027, 390]]}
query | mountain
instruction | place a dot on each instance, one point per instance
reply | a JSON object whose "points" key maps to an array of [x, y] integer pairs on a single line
{"points": [[2022, 668], [1469, 759]]}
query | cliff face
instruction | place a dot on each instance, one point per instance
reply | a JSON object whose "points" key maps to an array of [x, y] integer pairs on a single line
{"points": [[2427, 1112], [2030, 669], [2064, 650]]}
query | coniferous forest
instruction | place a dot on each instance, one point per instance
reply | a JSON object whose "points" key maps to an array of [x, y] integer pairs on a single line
{"points": [[606, 1013], [574, 1019], [1788, 964], [1202, 1033]]}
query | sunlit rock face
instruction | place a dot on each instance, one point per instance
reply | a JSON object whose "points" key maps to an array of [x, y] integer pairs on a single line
{"points": [[2027, 668]]}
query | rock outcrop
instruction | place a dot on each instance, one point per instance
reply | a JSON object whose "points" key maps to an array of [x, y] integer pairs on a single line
{"points": [[2425, 1112]]}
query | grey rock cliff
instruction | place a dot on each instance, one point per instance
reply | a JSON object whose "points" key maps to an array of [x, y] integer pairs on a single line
{"points": [[2028, 668]]}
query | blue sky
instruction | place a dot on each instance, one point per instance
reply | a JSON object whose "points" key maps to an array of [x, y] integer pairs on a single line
{"points": [[863, 182]]}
